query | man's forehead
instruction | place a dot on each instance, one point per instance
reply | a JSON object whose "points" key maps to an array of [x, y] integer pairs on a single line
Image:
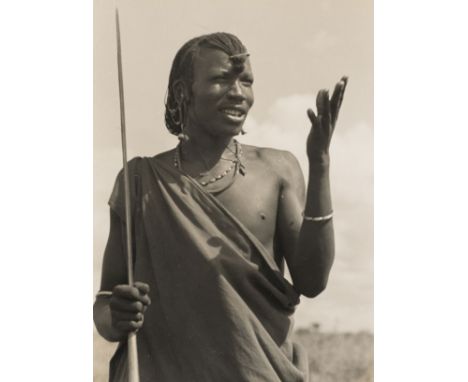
{"points": [[210, 59]]}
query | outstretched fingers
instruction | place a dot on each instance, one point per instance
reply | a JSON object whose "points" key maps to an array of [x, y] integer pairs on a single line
{"points": [[323, 121], [323, 103], [323, 111], [337, 99]]}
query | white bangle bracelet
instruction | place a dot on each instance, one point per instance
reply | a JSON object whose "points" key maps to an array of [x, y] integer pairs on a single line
{"points": [[317, 218], [103, 293]]}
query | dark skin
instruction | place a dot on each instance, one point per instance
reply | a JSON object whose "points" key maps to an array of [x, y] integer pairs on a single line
{"points": [[217, 104]]}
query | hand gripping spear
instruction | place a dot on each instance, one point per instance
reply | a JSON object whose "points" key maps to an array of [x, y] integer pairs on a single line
{"points": [[133, 375]]}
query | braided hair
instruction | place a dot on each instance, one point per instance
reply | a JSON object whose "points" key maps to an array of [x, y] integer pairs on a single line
{"points": [[182, 72]]}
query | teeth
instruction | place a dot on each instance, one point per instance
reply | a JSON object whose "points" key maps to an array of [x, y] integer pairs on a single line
{"points": [[235, 113]]}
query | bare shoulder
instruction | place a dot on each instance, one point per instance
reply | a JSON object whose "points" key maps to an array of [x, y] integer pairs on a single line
{"points": [[282, 162]]}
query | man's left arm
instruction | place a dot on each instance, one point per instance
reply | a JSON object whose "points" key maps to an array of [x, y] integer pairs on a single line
{"points": [[306, 230], [307, 246]]}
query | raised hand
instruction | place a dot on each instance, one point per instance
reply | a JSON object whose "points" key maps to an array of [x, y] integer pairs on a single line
{"points": [[323, 123], [128, 305]]}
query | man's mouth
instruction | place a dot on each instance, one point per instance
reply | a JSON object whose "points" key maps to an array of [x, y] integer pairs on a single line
{"points": [[234, 114]]}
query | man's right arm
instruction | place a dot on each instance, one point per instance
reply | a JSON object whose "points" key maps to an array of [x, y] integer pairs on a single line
{"points": [[122, 312]]}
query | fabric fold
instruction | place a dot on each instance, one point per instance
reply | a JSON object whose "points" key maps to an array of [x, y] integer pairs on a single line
{"points": [[221, 309]]}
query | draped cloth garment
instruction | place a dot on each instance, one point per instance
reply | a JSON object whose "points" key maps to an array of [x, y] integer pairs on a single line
{"points": [[221, 309]]}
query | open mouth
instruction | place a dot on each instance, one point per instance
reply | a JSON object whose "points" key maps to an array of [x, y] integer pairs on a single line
{"points": [[234, 114]]}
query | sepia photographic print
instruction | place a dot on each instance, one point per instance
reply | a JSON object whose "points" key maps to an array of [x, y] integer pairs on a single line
{"points": [[249, 140]]}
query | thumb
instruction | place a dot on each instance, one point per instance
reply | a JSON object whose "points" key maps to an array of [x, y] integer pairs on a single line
{"points": [[312, 117]]}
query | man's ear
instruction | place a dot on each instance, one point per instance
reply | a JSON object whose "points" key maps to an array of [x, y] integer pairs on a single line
{"points": [[180, 92]]}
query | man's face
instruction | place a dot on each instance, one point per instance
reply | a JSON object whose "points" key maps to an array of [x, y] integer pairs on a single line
{"points": [[221, 97]]}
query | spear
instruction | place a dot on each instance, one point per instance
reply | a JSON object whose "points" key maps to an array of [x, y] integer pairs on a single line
{"points": [[133, 375]]}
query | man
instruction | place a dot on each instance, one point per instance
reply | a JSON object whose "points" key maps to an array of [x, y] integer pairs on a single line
{"points": [[214, 223]]}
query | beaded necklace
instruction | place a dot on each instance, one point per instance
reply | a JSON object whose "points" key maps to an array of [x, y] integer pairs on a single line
{"points": [[236, 164]]}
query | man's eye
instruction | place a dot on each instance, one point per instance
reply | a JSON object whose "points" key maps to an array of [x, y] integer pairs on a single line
{"points": [[247, 82], [219, 79]]}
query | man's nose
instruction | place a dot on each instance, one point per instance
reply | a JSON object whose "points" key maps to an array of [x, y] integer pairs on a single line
{"points": [[236, 90]]}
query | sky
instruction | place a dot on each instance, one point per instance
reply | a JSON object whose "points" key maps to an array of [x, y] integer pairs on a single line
{"points": [[297, 48]]}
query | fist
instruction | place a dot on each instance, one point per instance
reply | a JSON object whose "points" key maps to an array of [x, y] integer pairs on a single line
{"points": [[128, 305]]}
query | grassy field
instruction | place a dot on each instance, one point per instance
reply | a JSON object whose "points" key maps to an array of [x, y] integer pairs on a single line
{"points": [[338, 357], [333, 357]]}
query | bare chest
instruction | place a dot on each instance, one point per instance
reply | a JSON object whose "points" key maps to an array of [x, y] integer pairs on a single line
{"points": [[253, 200]]}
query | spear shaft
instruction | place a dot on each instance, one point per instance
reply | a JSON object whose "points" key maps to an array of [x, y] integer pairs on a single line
{"points": [[133, 374]]}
